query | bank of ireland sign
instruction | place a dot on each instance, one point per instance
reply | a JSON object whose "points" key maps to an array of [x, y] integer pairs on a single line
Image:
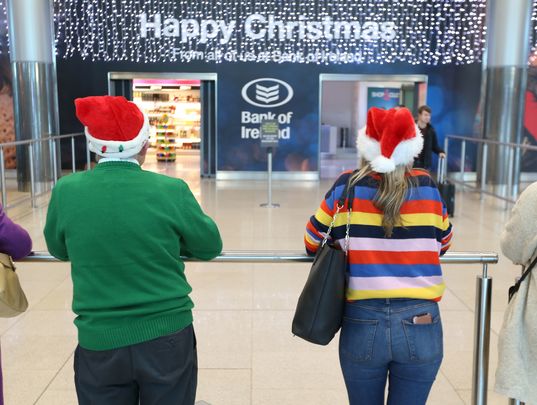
{"points": [[266, 93]]}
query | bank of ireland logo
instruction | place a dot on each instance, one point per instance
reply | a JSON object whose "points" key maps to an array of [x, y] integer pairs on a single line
{"points": [[267, 92], [267, 95]]}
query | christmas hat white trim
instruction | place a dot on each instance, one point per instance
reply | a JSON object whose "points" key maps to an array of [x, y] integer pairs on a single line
{"points": [[406, 151], [119, 149], [368, 147], [403, 154]]}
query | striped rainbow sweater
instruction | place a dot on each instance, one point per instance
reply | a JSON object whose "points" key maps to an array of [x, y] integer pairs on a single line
{"points": [[406, 265]]}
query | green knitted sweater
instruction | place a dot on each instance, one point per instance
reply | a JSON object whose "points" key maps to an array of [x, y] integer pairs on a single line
{"points": [[124, 230]]}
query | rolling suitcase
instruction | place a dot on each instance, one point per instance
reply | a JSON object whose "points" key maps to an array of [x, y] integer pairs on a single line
{"points": [[447, 189]]}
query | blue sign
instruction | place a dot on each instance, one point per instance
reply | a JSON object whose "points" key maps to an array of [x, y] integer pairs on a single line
{"points": [[383, 97], [247, 99]]}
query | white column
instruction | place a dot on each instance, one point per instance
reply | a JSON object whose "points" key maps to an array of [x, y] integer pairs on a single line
{"points": [[506, 60]]}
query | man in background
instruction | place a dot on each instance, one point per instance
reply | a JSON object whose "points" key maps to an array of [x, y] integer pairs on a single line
{"points": [[430, 140]]}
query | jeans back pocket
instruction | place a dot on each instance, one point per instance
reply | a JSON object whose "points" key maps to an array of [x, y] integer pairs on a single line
{"points": [[357, 339], [425, 341]]}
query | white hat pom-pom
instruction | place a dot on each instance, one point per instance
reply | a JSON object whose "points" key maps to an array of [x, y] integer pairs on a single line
{"points": [[368, 147], [382, 164]]}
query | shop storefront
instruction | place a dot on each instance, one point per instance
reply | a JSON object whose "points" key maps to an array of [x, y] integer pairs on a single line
{"points": [[208, 73]]}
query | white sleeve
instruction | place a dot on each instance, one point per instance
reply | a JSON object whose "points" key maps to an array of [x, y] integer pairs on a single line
{"points": [[519, 237]]}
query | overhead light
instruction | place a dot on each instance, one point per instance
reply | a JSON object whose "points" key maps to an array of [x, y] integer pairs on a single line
{"points": [[185, 87]]}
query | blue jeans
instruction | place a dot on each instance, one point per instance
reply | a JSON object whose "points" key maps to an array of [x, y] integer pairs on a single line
{"points": [[379, 341]]}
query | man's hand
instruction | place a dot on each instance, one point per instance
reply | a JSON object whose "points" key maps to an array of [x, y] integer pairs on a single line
{"points": [[442, 155]]}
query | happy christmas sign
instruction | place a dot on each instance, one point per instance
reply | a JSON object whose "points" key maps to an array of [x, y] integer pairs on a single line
{"points": [[322, 32]]}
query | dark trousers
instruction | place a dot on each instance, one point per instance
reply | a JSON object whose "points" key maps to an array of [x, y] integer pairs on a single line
{"points": [[162, 371]]}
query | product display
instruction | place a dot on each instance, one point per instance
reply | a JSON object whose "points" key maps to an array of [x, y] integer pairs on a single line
{"points": [[165, 132], [174, 113]]}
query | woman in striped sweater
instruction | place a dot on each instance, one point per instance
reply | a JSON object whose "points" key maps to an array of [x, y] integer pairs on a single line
{"points": [[398, 229]]}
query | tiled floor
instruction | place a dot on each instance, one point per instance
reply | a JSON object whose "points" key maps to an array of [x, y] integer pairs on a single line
{"points": [[247, 354]]}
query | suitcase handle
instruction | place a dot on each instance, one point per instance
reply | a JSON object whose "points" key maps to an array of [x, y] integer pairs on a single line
{"points": [[442, 170]]}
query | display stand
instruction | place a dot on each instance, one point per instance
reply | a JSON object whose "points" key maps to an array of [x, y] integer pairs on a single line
{"points": [[269, 133]]}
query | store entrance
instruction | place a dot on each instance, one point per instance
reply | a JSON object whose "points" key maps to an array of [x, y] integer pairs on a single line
{"points": [[174, 110], [345, 100], [181, 112]]}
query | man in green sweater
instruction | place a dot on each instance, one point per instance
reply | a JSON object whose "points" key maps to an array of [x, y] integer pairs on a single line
{"points": [[124, 230]]}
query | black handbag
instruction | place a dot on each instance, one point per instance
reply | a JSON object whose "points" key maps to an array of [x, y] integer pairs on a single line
{"points": [[514, 288], [319, 311]]}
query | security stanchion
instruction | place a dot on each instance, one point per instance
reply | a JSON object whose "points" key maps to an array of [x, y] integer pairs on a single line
{"points": [[269, 204], [269, 133], [482, 338]]}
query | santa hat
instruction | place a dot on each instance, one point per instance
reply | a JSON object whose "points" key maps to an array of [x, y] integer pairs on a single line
{"points": [[391, 138], [115, 127]]}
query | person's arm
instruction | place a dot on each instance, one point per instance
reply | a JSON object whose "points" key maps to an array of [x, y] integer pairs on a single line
{"points": [[519, 237], [318, 224], [447, 232], [200, 237], [54, 233], [436, 147], [446, 228], [14, 240]]}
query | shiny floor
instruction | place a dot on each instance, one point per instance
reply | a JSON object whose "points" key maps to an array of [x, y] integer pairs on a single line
{"points": [[247, 354]]}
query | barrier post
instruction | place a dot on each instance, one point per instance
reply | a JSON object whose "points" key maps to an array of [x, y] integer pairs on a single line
{"points": [[32, 175], [484, 163], [482, 338], [269, 134], [88, 157], [53, 146], [73, 157], [463, 160], [510, 167], [516, 173], [269, 204]]}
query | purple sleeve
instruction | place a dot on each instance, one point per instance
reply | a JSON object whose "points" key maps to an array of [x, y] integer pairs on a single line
{"points": [[14, 240]]}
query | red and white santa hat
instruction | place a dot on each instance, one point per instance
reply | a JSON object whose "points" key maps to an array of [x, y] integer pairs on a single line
{"points": [[114, 126], [391, 138]]}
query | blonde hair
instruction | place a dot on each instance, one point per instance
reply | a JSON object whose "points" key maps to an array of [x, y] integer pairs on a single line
{"points": [[391, 194]]}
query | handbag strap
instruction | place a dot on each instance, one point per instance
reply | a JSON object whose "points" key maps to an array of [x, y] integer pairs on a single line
{"points": [[527, 270], [525, 274], [347, 194]]}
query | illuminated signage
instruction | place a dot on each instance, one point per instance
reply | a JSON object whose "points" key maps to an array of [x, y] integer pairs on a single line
{"points": [[309, 31]]}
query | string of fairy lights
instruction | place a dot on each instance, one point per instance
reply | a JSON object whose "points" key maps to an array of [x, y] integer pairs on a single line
{"points": [[534, 30], [307, 31], [430, 32]]}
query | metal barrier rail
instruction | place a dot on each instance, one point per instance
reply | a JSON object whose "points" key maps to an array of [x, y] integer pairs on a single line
{"points": [[268, 256], [52, 140], [482, 303], [515, 149]]}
